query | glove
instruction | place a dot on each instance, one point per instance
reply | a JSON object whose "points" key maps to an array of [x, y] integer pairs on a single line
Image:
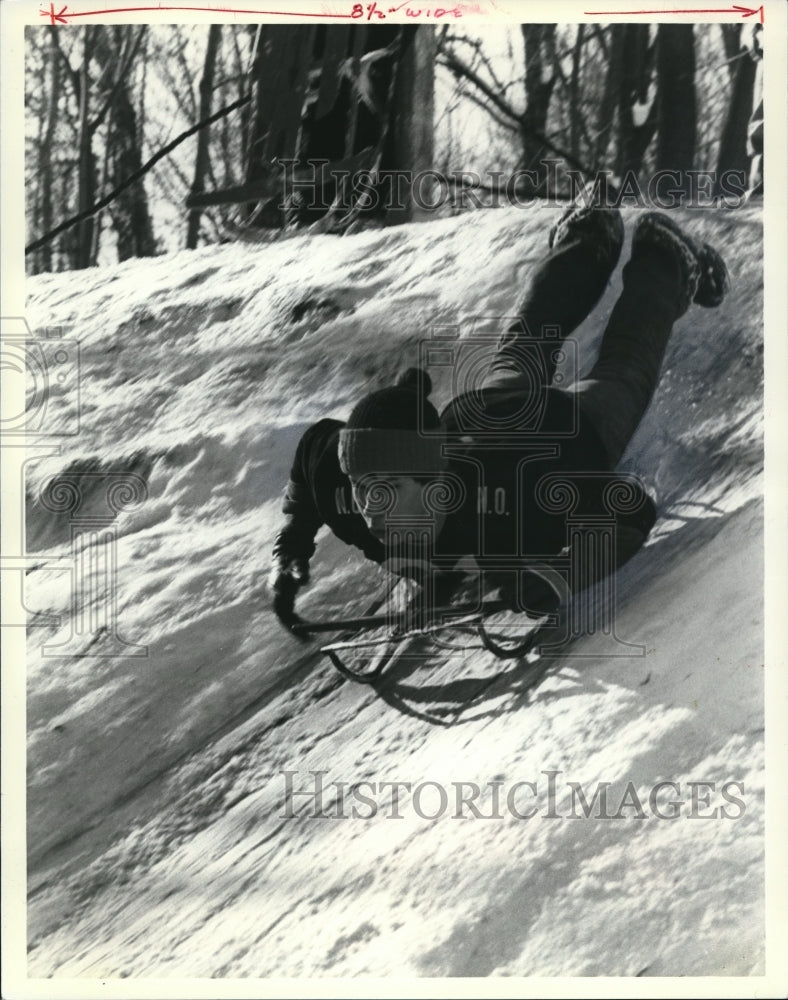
{"points": [[287, 577]]}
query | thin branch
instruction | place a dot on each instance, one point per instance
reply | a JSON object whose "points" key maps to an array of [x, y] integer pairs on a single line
{"points": [[187, 74], [234, 78], [567, 89], [458, 67], [455, 65], [600, 37], [132, 178], [105, 69], [509, 126], [476, 45]]}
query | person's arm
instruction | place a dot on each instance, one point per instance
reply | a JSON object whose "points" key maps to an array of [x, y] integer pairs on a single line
{"points": [[294, 545]]}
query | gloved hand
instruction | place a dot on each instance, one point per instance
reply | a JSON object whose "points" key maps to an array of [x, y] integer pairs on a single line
{"points": [[287, 577]]}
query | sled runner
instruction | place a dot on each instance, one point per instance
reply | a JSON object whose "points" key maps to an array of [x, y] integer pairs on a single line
{"points": [[383, 639]]}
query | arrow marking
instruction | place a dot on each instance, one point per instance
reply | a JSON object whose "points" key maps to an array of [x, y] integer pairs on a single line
{"points": [[744, 11], [62, 16]]}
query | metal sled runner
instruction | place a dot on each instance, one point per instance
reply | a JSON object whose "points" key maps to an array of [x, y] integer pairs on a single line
{"points": [[394, 635]]}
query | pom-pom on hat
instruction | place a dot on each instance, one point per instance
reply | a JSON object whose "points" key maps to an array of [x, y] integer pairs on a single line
{"points": [[394, 430]]}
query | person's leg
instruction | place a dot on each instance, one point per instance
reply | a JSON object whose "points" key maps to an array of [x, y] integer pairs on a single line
{"points": [[666, 273], [584, 249]]}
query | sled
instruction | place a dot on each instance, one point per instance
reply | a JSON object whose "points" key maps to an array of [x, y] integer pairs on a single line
{"points": [[386, 638]]}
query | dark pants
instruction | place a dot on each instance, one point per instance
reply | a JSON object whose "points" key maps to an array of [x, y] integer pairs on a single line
{"points": [[561, 293]]}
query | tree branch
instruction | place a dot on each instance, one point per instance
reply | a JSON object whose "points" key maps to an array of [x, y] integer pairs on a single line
{"points": [[455, 65], [570, 92], [600, 37], [75, 220], [476, 45], [509, 126]]}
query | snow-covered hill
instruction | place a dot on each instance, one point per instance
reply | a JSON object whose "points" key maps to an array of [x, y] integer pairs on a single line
{"points": [[158, 831]]}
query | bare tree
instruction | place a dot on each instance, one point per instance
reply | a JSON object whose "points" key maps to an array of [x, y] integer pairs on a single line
{"points": [[676, 103], [637, 116], [465, 59], [733, 153], [574, 93], [356, 98], [620, 97], [608, 102], [98, 109], [115, 50], [203, 139], [87, 160], [540, 78]]}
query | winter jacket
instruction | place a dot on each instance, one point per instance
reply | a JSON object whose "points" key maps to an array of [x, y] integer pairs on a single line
{"points": [[522, 476]]}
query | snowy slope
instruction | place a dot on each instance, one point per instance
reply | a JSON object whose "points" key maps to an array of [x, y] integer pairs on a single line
{"points": [[158, 839]]}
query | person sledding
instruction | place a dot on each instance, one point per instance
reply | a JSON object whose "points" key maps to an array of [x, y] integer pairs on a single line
{"points": [[420, 491]]}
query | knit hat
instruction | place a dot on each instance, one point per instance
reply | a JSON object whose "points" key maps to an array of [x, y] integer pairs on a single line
{"points": [[396, 430]]}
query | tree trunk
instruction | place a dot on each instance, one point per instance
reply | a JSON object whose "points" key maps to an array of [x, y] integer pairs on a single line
{"points": [[87, 164], [574, 94], [607, 106], [411, 133], [131, 217], [636, 69], [44, 258], [203, 137], [731, 35], [280, 75], [359, 98], [677, 111], [540, 78], [733, 142]]}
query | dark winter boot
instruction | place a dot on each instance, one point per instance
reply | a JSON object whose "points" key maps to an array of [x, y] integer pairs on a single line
{"points": [[705, 276], [588, 218]]}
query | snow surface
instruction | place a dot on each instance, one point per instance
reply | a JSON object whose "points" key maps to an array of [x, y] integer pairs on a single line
{"points": [[158, 842]]}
